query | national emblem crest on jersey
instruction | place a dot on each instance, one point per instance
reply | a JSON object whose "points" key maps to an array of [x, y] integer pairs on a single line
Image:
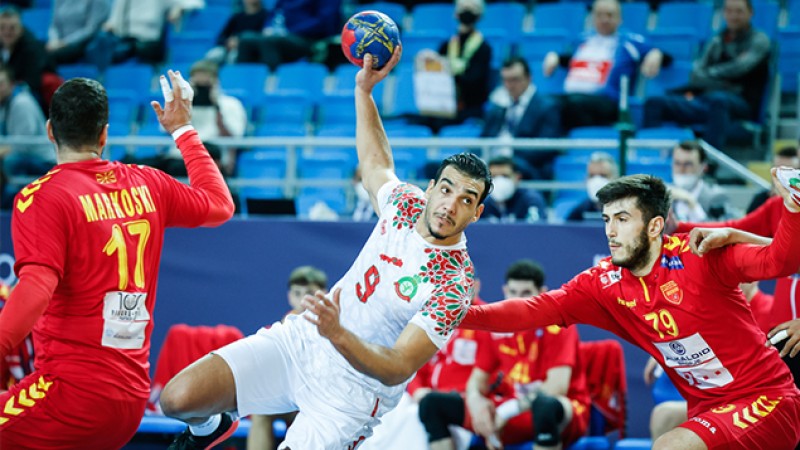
{"points": [[406, 288], [672, 292]]}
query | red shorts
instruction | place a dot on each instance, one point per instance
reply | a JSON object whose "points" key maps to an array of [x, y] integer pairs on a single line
{"points": [[520, 428], [43, 412], [756, 422]]}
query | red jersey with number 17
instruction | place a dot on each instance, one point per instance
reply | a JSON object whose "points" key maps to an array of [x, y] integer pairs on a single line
{"points": [[100, 226]]}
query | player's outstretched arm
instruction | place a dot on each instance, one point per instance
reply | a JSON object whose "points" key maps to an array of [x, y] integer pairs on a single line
{"points": [[176, 117], [703, 240], [390, 366], [374, 152], [27, 302]]}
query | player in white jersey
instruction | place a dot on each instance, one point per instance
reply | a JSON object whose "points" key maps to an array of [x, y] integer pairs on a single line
{"points": [[346, 360]]}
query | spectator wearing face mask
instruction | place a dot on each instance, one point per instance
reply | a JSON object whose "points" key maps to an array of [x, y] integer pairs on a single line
{"points": [[508, 203], [695, 199], [601, 169]]}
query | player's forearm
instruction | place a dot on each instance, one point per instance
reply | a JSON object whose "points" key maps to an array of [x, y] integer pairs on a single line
{"points": [[205, 175], [27, 302], [379, 362], [782, 257], [517, 314], [374, 152]]}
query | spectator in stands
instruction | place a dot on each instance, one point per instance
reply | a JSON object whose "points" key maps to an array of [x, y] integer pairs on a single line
{"points": [[22, 52], [507, 202], [20, 115], [304, 280], [518, 111], [251, 19], [695, 197], [215, 115], [541, 394], [470, 58], [597, 65], [74, 24], [600, 170], [786, 156], [21, 4], [136, 29], [294, 28], [727, 81]]}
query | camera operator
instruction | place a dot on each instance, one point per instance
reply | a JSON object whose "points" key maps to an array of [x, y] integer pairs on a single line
{"points": [[214, 115]]}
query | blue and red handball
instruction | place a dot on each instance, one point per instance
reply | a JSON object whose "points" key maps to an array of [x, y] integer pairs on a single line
{"points": [[370, 32]]}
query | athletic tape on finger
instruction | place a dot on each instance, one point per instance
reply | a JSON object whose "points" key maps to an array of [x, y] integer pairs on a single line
{"points": [[187, 93], [166, 89]]}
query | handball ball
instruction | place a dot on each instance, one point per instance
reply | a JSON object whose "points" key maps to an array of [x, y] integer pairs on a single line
{"points": [[370, 32]]}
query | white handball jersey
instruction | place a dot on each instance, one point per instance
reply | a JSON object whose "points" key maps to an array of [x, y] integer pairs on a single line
{"points": [[397, 279]]}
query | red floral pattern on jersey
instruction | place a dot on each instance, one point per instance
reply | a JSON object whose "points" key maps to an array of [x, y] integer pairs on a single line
{"points": [[409, 202], [452, 274]]}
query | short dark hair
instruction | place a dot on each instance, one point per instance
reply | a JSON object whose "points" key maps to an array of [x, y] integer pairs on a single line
{"points": [[652, 196], [504, 161], [785, 152], [307, 275], [511, 60], [7, 11], [693, 146], [528, 270], [469, 164], [79, 112]]}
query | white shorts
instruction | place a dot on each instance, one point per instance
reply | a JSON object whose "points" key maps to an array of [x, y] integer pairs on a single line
{"points": [[272, 375]]}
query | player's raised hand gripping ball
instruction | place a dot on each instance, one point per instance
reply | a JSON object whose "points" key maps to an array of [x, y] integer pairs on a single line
{"points": [[370, 32]]}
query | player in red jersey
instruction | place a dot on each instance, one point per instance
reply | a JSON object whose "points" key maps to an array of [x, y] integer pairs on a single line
{"points": [[88, 238], [686, 311], [18, 363]]}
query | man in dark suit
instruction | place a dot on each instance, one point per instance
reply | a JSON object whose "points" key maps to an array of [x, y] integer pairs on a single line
{"points": [[525, 114]]}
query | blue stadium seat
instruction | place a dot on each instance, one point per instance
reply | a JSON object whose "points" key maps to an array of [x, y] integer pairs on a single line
{"points": [[134, 77], [330, 166], [789, 58], [37, 20], [500, 43], [395, 11], [668, 78], [656, 167], [564, 204], [347, 153], [292, 107], [403, 102], [695, 17], [591, 443], [208, 20], [635, 16], [793, 12], [608, 132], [335, 198], [554, 84], [344, 81], [467, 130], [569, 17], [663, 390], [123, 107], [302, 76], [509, 16], [251, 78], [264, 165], [533, 46], [280, 129], [415, 41], [150, 151], [681, 43], [765, 17], [633, 444], [68, 71], [188, 47], [434, 17], [337, 108]]}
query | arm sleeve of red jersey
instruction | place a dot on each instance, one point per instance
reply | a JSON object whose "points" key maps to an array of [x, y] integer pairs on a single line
{"points": [[25, 305], [205, 175], [516, 314], [757, 222], [752, 262]]}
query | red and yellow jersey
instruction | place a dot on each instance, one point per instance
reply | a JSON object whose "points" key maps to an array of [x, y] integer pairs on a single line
{"points": [[451, 366], [523, 359], [19, 362], [100, 226]]}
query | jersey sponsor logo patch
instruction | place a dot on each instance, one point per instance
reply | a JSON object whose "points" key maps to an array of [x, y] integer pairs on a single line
{"points": [[610, 277], [626, 303], [695, 361], [406, 288], [106, 177], [671, 262], [723, 409], [672, 292]]}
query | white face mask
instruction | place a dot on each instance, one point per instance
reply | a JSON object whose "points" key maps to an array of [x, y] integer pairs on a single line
{"points": [[594, 184], [503, 189], [361, 192], [685, 180]]}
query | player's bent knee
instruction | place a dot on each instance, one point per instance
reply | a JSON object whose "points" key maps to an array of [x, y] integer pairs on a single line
{"points": [[548, 413], [434, 413]]}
